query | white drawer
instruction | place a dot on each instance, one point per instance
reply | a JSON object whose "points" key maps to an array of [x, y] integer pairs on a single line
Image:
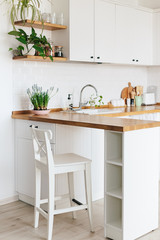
{"points": [[23, 130]]}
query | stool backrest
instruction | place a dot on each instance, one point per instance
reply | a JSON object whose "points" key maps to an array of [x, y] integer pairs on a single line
{"points": [[42, 147]]}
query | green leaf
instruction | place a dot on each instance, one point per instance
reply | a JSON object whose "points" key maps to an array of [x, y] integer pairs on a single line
{"points": [[10, 49], [22, 40], [51, 58], [14, 33], [23, 32], [39, 49], [20, 48]]}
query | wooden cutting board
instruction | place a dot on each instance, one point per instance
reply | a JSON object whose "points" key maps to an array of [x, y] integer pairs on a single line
{"points": [[124, 93]]}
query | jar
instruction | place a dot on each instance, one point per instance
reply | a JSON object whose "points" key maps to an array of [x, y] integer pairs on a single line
{"points": [[58, 51], [52, 50], [46, 17]]}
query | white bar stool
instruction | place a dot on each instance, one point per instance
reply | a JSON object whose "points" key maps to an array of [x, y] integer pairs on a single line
{"points": [[57, 164]]}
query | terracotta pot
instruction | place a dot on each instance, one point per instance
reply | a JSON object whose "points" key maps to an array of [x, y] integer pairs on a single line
{"points": [[41, 112]]}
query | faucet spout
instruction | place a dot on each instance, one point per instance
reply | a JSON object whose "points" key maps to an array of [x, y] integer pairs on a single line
{"points": [[81, 104]]}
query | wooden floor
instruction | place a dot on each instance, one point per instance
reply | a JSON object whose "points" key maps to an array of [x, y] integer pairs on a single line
{"points": [[16, 223]]}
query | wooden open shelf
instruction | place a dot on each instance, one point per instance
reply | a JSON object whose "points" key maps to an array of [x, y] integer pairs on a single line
{"points": [[38, 24], [39, 58]]}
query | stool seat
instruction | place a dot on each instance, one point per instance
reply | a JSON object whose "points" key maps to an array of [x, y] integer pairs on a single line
{"points": [[67, 163], [69, 159]]}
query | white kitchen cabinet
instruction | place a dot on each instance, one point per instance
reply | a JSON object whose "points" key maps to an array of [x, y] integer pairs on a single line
{"points": [[24, 158], [104, 31], [92, 30], [133, 36], [81, 17], [131, 183], [156, 38], [107, 32]]}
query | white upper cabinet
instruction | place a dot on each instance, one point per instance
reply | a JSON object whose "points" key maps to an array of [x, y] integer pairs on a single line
{"points": [[104, 31], [133, 36], [82, 30], [156, 38], [92, 30]]}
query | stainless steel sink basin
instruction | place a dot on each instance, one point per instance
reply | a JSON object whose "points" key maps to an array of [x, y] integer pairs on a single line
{"points": [[98, 111]]}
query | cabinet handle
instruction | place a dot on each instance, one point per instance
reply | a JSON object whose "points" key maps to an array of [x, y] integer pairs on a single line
{"points": [[91, 56], [35, 126], [133, 60], [98, 57]]}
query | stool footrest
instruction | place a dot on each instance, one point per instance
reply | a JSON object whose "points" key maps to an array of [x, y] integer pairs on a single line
{"points": [[70, 209]]}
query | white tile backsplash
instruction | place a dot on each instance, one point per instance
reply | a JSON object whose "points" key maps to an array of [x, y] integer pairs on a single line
{"points": [[71, 77]]}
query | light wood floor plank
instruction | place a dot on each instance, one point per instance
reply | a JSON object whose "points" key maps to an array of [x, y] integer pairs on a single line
{"points": [[16, 223]]}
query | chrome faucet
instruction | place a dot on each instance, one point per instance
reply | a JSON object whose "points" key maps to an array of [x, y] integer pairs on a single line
{"points": [[81, 104]]}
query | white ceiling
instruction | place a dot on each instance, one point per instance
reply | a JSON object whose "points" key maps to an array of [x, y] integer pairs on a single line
{"points": [[145, 3], [149, 3]]}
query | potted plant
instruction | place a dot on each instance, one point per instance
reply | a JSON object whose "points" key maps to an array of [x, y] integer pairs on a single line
{"points": [[96, 101], [32, 41], [40, 99], [23, 9]]}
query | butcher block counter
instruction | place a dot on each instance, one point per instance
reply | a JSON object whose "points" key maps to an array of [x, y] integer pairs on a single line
{"points": [[101, 121]]}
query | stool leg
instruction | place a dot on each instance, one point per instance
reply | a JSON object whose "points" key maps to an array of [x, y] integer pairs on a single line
{"points": [[51, 193], [88, 184], [37, 196], [71, 191]]}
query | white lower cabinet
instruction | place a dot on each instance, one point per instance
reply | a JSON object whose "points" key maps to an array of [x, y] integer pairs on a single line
{"points": [[131, 183]]}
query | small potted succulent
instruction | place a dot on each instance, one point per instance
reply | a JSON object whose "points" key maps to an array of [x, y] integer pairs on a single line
{"points": [[40, 99]]}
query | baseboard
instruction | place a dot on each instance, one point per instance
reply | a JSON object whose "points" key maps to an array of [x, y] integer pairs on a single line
{"points": [[9, 200], [26, 199]]}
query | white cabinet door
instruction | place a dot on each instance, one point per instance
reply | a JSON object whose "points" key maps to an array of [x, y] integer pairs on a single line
{"points": [[133, 36], [143, 37], [104, 31], [82, 30], [25, 167], [156, 38]]}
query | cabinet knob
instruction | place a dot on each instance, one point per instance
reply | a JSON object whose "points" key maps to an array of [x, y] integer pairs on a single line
{"points": [[133, 60], [137, 60], [91, 56], [98, 57]]}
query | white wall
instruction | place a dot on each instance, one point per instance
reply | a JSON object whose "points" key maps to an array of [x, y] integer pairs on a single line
{"points": [[154, 79], [7, 183], [16, 77]]}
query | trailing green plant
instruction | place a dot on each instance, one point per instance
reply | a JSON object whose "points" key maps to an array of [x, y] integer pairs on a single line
{"points": [[40, 98], [21, 8], [96, 101], [40, 44]]}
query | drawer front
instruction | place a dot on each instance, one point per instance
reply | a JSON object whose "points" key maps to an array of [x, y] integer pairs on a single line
{"points": [[23, 130]]}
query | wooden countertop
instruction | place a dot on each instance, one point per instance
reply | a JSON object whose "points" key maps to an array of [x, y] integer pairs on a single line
{"points": [[106, 122]]}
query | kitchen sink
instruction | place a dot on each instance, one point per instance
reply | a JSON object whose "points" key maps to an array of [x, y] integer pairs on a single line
{"points": [[98, 111]]}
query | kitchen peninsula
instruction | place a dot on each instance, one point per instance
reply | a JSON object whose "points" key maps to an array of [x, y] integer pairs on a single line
{"points": [[130, 152]]}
